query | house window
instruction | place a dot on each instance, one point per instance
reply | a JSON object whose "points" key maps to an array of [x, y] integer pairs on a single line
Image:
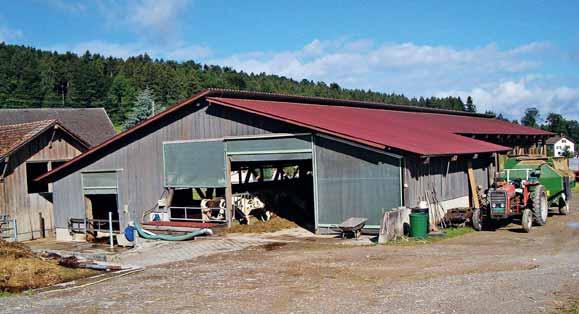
{"points": [[33, 171]]}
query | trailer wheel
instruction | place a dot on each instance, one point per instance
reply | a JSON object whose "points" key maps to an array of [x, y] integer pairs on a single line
{"points": [[477, 220], [563, 207], [540, 206], [527, 220]]}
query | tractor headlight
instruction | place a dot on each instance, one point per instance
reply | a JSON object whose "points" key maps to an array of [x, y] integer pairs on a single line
{"points": [[493, 205]]}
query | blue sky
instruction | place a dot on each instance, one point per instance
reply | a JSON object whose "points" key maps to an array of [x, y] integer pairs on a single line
{"points": [[508, 55]]}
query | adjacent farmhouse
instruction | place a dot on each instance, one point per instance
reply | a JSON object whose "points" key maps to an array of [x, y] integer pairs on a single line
{"points": [[28, 150], [561, 146], [317, 160], [33, 142]]}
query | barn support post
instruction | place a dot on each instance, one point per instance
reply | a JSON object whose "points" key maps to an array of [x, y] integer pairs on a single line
{"points": [[229, 192]]}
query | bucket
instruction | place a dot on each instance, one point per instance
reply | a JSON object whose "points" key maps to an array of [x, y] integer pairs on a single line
{"points": [[418, 225]]}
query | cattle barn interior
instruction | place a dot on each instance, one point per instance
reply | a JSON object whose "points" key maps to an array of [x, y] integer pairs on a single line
{"points": [[284, 186]]}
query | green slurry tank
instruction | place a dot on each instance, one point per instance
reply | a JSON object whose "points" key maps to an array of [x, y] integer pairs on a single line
{"points": [[553, 173]]}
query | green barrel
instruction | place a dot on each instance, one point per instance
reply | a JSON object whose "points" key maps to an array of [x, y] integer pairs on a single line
{"points": [[418, 225]]}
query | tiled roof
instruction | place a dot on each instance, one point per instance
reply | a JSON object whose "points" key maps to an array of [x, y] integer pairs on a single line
{"points": [[90, 124], [13, 136]]}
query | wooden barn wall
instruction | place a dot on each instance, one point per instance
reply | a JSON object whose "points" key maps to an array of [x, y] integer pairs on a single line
{"points": [[16, 201], [141, 161], [447, 178]]}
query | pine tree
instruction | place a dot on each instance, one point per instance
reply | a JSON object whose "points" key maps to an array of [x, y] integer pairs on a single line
{"points": [[142, 109], [470, 106]]}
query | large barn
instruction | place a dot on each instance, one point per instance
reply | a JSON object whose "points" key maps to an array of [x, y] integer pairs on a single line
{"points": [[319, 160]]}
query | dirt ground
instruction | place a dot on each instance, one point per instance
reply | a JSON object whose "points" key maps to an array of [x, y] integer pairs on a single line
{"points": [[22, 269], [504, 271]]}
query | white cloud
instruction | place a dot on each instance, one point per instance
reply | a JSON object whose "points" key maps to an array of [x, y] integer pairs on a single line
{"points": [[158, 16], [361, 64], [513, 97], [150, 19], [177, 52]]}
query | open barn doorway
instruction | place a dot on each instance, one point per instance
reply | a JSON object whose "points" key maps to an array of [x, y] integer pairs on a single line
{"points": [[98, 207], [286, 187]]}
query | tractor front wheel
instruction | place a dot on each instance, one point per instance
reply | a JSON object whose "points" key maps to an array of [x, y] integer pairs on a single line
{"points": [[477, 220], [540, 206], [527, 220], [563, 207]]}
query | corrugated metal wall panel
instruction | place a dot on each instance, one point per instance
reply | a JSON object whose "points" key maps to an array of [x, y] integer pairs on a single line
{"points": [[68, 205], [195, 164], [354, 182]]}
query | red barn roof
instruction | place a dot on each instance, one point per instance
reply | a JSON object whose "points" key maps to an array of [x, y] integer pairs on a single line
{"points": [[426, 134], [420, 130]]}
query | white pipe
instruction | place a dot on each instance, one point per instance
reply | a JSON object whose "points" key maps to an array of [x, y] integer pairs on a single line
{"points": [[111, 228]]}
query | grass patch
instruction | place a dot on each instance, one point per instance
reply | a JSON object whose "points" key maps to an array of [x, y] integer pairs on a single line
{"points": [[276, 223], [21, 270], [449, 233], [570, 307]]}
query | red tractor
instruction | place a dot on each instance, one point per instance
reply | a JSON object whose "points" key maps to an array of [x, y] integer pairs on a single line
{"points": [[524, 199]]}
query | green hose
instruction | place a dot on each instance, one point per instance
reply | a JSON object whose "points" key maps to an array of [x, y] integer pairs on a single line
{"points": [[153, 236]]}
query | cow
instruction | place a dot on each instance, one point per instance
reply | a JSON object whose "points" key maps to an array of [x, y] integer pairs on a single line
{"points": [[207, 206], [249, 205]]}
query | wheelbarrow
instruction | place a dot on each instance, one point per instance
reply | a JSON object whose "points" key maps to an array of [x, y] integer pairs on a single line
{"points": [[352, 226]]}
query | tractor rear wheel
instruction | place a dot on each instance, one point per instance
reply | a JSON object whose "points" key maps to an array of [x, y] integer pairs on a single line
{"points": [[563, 207], [527, 220], [540, 206], [477, 220]]}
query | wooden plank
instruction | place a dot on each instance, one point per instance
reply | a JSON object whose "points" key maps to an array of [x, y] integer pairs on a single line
{"points": [[473, 185]]}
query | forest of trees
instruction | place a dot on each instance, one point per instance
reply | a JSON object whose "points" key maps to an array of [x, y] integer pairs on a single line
{"points": [[31, 77], [34, 78]]}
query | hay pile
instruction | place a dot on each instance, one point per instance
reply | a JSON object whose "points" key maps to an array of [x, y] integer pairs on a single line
{"points": [[276, 223], [21, 269]]}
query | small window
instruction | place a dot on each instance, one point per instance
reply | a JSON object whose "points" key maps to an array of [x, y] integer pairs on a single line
{"points": [[33, 171]]}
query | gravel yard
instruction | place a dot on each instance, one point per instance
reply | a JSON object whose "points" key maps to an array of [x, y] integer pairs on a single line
{"points": [[487, 272]]}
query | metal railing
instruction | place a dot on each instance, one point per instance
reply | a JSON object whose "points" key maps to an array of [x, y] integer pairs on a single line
{"points": [[508, 173], [83, 225], [188, 214]]}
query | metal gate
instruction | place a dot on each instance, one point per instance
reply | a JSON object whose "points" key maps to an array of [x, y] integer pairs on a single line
{"points": [[8, 228]]}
